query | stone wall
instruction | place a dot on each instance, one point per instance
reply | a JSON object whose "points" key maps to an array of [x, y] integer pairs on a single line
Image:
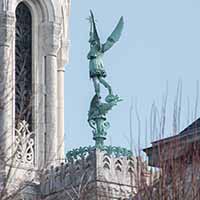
{"points": [[50, 46], [96, 176]]}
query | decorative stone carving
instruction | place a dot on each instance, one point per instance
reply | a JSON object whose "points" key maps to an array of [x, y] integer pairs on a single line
{"points": [[32, 145], [7, 27], [105, 175], [24, 143], [51, 38]]}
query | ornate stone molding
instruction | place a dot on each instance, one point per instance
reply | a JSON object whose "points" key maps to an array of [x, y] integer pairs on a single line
{"points": [[90, 171], [7, 27], [51, 38], [24, 144]]}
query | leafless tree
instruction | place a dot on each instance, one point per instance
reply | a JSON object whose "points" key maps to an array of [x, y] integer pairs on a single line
{"points": [[178, 175]]}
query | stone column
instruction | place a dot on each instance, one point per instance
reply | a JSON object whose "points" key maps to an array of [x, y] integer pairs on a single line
{"points": [[60, 141], [62, 61], [7, 30], [52, 45]]}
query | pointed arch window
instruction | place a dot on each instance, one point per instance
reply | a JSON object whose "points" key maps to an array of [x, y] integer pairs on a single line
{"points": [[23, 65], [24, 135]]}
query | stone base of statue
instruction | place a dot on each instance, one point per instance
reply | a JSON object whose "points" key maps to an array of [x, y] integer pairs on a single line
{"points": [[92, 174]]}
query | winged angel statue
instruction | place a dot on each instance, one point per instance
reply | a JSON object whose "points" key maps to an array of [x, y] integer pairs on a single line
{"points": [[98, 110], [97, 50]]}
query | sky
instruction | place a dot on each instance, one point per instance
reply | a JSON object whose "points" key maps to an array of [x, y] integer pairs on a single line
{"points": [[159, 47]]}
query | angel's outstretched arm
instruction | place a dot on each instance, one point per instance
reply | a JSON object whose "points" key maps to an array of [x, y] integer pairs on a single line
{"points": [[93, 31]]}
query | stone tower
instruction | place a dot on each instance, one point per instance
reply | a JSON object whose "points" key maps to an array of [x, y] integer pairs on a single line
{"points": [[33, 52]]}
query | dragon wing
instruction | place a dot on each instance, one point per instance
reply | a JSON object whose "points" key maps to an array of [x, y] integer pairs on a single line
{"points": [[94, 34], [115, 36]]}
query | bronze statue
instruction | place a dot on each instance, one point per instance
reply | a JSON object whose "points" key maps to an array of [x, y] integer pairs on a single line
{"points": [[97, 50], [98, 109]]}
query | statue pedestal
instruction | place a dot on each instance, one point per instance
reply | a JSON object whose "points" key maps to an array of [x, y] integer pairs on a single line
{"points": [[94, 175]]}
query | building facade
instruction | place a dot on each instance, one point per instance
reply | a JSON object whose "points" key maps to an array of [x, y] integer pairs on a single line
{"points": [[34, 50], [177, 158], [34, 45]]}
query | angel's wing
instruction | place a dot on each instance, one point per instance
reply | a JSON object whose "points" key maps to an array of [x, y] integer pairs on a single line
{"points": [[114, 37], [94, 34]]}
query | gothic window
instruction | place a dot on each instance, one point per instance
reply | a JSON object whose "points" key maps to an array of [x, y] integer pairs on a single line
{"points": [[23, 65], [24, 136]]}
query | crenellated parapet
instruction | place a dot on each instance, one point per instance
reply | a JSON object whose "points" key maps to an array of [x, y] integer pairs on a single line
{"points": [[97, 171], [57, 179]]}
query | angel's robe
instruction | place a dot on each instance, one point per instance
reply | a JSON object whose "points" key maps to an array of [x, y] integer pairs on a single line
{"points": [[96, 67]]}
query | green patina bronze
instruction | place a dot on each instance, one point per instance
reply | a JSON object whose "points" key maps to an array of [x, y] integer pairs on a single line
{"points": [[82, 152], [98, 109]]}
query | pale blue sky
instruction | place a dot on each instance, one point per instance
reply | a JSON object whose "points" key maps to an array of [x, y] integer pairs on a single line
{"points": [[160, 43]]}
